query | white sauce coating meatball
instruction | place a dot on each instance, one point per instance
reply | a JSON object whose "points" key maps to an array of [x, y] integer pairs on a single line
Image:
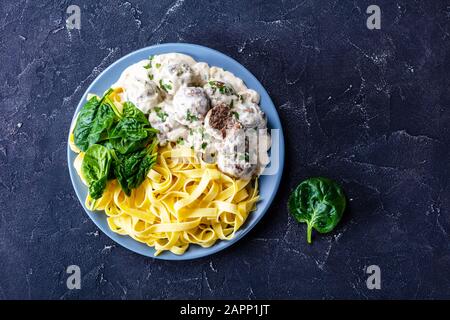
{"points": [[162, 118], [138, 88], [200, 140], [249, 95], [205, 108], [234, 156], [173, 76], [190, 105], [227, 77], [250, 115], [201, 71], [220, 93]]}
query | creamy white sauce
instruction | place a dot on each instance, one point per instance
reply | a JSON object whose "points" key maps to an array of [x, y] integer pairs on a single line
{"points": [[138, 88], [190, 105], [178, 95]]}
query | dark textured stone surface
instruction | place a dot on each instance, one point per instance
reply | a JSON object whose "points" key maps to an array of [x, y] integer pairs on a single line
{"points": [[367, 108]]}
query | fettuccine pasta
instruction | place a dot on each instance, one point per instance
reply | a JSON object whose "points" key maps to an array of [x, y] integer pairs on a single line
{"points": [[183, 201]]}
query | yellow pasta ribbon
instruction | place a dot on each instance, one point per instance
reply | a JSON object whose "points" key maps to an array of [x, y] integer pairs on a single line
{"points": [[183, 201]]}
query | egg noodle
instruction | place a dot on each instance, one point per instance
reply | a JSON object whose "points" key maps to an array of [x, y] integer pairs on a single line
{"points": [[183, 201]]}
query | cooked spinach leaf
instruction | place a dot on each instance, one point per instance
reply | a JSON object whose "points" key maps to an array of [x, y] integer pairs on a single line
{"points": [[95, 169], [318, 202]]}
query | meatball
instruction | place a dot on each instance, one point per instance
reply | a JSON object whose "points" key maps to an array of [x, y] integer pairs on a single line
{"points": [[249, 95], [190, 105], [220, 93], [138, 88], [235, 156], [201, 71], [250, 115], [173, 76], [218, 120], [161, 118]]}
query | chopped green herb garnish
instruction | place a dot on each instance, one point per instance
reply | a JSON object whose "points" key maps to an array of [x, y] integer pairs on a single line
{"points": [[180, 141], [149, 65], [222, 87], [191, 117], [165, 87], [158, 65], [162, 85], [204, 144], [236, 115], [161, 114], [150, 76], [245, 157]]}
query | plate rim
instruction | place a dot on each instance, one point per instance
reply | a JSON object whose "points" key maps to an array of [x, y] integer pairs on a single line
{"points": [[213, 249]]}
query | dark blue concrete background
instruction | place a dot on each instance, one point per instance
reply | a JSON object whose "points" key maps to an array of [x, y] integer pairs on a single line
{"points": [[370, 109]]}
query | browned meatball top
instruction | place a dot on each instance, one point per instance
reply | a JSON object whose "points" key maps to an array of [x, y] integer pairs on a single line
{"points": [[220, 117]]}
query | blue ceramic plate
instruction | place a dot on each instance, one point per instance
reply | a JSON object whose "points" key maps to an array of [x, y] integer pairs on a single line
{"points": [[268, 183]]}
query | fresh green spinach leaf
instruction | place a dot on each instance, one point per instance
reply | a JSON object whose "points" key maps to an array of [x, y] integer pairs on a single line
{"points": [[318, 202], [130, 135], [130, 111], [103, 121], [84, 123], [94, 120], [95, 169], [132, 132], [117, 144], [131, 169]]}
